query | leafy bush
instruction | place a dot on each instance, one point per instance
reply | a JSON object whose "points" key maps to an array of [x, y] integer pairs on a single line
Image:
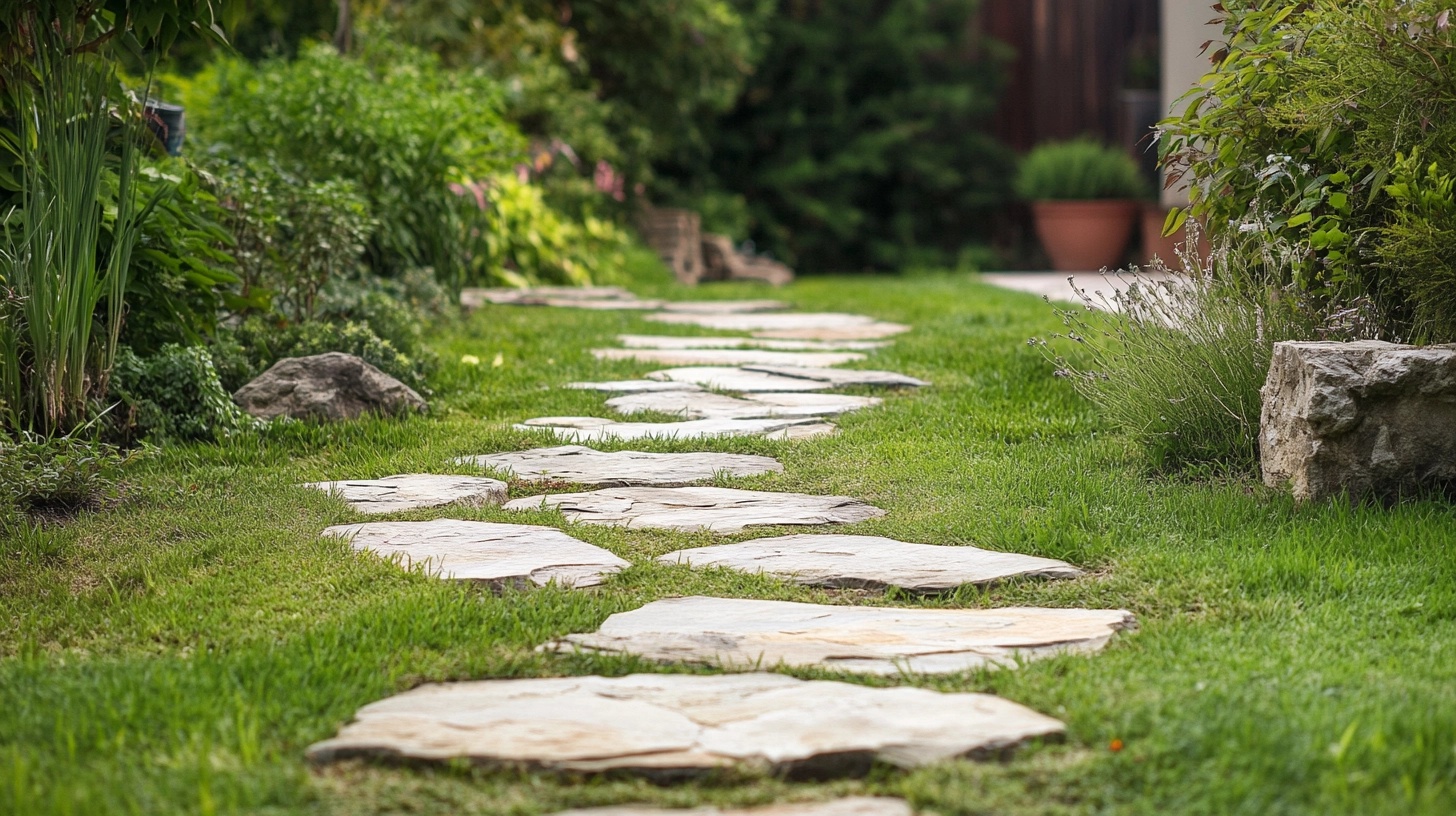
{"points": [[1079, 170], [174, 394], [247, 351], [57, 475], [521, 240]]}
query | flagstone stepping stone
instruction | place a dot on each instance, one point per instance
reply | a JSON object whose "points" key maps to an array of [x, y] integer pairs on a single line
{"points": [[722, 378], [669, 725], [730, 357], [828, 334], [717, 509], [852, 806], [838, 377], [655, 341], [583, 297], [724, 306], [413, 491], [781, 321], [871, 562], [635, 386], [739, 633], [497, 554], [582, 465], [595, 429], [700, 405]]}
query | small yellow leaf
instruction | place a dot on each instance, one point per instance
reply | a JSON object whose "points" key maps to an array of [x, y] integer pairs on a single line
{"points": [[500, 360]]}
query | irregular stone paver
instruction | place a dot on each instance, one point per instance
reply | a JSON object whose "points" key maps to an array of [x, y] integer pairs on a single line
{"points": [[582, 465], [737, 379], [665, 725], [414, 490], [583, 297], [852, 806], [498, 554], [871, 561], [743, 633], [593, 429], [699, 405], [830, 334], [635, 386], [865, 328], [717, 509], [838, 377], [724, 306], [730, 357], [655, 341]]}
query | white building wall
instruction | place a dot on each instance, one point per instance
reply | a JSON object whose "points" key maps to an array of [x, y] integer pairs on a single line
{"points": [[1185, 29]]}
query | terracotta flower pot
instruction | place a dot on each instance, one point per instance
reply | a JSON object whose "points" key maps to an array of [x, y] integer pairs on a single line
{"points": [[1084, 236]]}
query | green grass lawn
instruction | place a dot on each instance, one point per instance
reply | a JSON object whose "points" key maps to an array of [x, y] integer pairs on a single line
{"points": [[176, 654]]}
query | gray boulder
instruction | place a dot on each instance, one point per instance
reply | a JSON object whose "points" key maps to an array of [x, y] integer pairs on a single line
{"points": [[326, 386], [1362, 418]]}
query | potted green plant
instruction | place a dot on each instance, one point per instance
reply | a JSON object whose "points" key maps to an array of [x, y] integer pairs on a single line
{"points": [[1085, 201]]}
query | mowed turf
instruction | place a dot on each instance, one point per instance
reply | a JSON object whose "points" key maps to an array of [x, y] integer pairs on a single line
{"points": [[178, 653]]}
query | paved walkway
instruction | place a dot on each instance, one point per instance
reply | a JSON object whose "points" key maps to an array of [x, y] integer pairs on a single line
{"points": [[1055, 285]]}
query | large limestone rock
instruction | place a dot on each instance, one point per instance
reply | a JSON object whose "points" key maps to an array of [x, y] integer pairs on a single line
{"points": [[581, 465], [666, 725], [413, 491], [730, 357], [595, 429], [326, 386], [871, 562], [1359, 418], [718, 509], [495, 554], [740, 633], [852, 806], [698, 405]]}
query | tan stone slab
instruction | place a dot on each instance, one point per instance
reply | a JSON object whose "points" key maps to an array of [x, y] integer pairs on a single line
{"points": [[871, 562], [634, 386], [724, 378], [699, 405], [827, 334], [779, 321], [497, 554], [474, 298], [717, 509], [665, 725], [412, 491], [730, 357], [740, 633], [840, 377], [724, 306], [851, 806], [658, 341], [582, 465], [594, 429]]}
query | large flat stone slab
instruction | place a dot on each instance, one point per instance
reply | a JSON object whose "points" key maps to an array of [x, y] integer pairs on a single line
{"points": [[593, 429], [635, 386], [717, 509], [578, 297], [741, 380], [738, 633], [582, 465], [852, 806], [839, 377], [665, 725], [700, 405], [845, 326], [713, 307], [657, 341], [497, 554], [730, 357], [871, 562], [412, 491]]}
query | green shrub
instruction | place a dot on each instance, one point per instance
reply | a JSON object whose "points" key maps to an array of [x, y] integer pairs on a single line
{"points": [[521, 240], [1079, 170], [174, 394], [247, 351], [52, 476]]}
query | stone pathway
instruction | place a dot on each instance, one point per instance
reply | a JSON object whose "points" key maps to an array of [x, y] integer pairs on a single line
{"points": [[497, 554], [413, 491], [689, 509], [593, 429], [853, 806], [790, 326], [654, 341], [635, 386], [738, 380], [729, 357], [865, 562], [741, 633], [582, 465], [701, 405]]}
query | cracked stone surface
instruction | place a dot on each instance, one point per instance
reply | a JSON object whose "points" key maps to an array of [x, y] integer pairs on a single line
{"points": [[666, 726], [634, 386], [722, 378], [790, 325], [730, 357], [655, 341], [724, 306], [871, 562], [582, 465], [738, 633], [414, 490], [851, 806], [717, 509], [700, 405], [594, 429], [497, 554], [838, 377]]}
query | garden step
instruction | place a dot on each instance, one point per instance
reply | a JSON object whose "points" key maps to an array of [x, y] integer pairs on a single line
{"points": [[413, 491], [700, 405], [495, 554], [739, 633], [852, 806], [730, 357], [581, 465], [654, 341], [767, 378], [871, 562], [717, 509], [593, 429], [789, 325], [669, 726]]}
